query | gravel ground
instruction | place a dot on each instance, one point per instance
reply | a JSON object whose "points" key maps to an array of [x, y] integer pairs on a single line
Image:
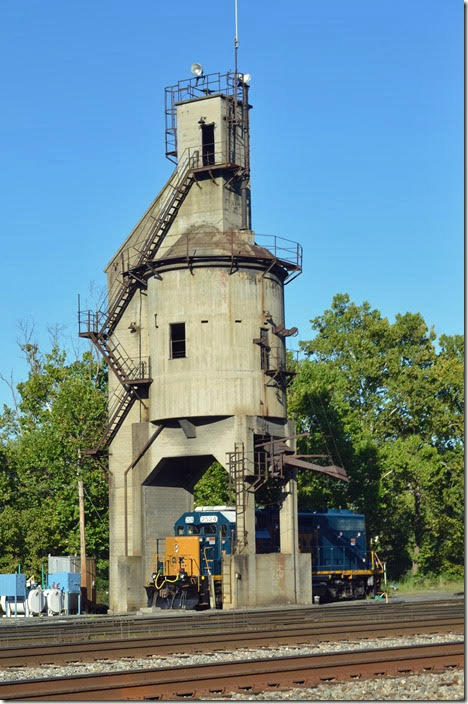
{"points": [[447, 686]]}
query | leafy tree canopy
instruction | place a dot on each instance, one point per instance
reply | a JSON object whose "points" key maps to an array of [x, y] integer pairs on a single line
{"points": [[388, 406], [60, 412]]}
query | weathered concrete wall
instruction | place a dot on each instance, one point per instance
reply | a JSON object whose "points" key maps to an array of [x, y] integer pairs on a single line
{"points": [[221, 373], [193, 114], [277, 579], [283, 579], [128, 573]]}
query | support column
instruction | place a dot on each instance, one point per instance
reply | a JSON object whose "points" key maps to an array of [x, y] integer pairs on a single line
{"points": [[300, 564], [243, 564], [289, 538], [126, 591]]}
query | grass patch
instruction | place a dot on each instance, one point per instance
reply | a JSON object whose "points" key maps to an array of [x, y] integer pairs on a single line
{"points": [[429, 584]]}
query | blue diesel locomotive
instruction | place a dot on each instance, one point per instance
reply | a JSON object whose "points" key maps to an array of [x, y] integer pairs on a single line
{"points": [[188, 568]]}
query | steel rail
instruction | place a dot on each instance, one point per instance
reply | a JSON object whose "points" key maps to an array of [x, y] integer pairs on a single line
{"points": [[74, 627], [149, 646], [261, 674], [162, 623]]}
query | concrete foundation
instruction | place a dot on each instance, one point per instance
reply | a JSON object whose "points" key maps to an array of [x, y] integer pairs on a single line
{"points": [[266, 580]]}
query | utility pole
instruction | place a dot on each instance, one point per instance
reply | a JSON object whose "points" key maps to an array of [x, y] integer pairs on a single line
{"points": [[84, 590]]}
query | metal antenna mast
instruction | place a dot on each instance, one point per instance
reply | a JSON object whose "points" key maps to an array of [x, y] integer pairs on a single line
{"points": [[236, 40]]}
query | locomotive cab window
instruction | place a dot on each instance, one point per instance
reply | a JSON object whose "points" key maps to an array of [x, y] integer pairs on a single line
{"points": [[209, 529], [177, 340]]}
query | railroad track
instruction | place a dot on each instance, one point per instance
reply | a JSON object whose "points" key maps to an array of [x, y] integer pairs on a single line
{"points": [[90, 627], [249, 676], [227, 639]]}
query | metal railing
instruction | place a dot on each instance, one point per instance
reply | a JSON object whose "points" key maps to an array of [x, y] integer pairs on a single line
{"points": [[203, 86], [127, 368], [281, 248], [138, 255], [194, 246]]}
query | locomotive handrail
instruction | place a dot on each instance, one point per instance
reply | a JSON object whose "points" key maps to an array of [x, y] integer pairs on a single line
{"points": [[376, 562]]}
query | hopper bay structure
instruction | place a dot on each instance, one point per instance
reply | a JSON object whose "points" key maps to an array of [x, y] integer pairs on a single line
{"points": [[194, 336]]}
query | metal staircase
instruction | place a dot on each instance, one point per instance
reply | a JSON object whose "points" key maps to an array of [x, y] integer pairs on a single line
{"points": [[134, 376], [119, 407], [135, 263], [98, 327], [135, 268]]}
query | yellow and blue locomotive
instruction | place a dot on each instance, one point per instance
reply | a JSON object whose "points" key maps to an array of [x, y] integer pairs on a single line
{"points": [[188, 568], [188, 565]]}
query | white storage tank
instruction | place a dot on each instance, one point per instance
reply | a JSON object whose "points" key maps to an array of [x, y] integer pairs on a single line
{"points": [[54, 600], [36, 602]]}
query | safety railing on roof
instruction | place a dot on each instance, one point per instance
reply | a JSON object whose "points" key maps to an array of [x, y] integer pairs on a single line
{"points": [[193, 158], [204, 86], [195, 246]]}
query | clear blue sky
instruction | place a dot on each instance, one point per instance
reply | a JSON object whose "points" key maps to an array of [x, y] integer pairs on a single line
{"points": [[357, 146]]}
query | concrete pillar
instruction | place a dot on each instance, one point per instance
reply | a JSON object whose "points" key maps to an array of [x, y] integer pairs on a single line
{"points": [[140, 432], [289, 540]]}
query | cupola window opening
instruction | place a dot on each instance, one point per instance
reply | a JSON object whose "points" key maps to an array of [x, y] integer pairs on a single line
{"points": [[177, 340], [208, 143]]}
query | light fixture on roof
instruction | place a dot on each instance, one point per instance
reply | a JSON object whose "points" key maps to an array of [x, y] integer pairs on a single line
{"points": [[243, 79], [197, 70]]}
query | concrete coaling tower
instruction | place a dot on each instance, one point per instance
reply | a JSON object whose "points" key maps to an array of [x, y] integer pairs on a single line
{"points": [[194, 335]]}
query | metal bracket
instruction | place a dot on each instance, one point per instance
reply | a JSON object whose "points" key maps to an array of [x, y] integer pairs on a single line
{"points": [[189, 428]]}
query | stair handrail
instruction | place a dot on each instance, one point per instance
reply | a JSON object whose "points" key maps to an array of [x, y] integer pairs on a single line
{"points": [[187, 163]]}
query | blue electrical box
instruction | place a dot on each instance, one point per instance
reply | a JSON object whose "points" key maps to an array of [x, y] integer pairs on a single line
{"points": [[69, 582], [13, 585]]}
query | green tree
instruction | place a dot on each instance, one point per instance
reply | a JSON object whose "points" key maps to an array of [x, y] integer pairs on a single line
{"points": [[61, 411], [382, 401], [213, 487]]}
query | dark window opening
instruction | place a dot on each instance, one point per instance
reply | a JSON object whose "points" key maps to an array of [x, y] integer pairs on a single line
{"points": [[177, 331], [208, 144], [193, 529]]}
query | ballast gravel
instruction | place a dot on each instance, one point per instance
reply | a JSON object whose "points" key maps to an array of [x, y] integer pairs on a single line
{"points": [[444, 686]]}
